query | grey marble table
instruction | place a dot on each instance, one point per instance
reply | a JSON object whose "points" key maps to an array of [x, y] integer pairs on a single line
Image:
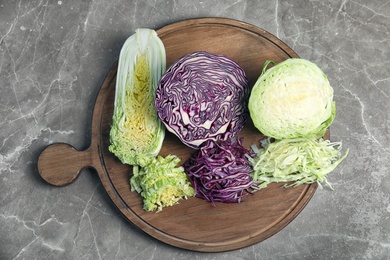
{"points": [[53, 58]]}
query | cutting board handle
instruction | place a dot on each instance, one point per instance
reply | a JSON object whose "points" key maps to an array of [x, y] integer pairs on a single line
{"points": [[60, 164]]}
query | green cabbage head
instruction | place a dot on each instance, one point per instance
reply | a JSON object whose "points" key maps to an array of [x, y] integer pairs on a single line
{"points": [[292, 99]]}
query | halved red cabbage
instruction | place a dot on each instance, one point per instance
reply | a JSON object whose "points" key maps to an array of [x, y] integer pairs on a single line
{"points": [[203, 96], [220, 171]]}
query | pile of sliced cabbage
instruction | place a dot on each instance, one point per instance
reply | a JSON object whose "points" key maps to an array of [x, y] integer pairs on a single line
{"points": [[161, 183], [295, 161]]}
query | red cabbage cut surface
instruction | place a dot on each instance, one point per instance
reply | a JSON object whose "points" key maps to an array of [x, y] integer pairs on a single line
{"points": [[203, 96], [220, 172]]}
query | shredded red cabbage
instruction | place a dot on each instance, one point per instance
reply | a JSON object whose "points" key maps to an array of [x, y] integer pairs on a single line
{"points": [[201, 97], [220, 172]]}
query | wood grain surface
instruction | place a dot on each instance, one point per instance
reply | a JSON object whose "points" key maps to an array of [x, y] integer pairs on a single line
{"points": [[193, 224]]}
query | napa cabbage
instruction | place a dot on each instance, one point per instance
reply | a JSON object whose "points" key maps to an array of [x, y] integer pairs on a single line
{"points": [[136, 133]]}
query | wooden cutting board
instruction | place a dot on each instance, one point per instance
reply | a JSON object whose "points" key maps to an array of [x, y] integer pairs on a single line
{"points": [[194, 224]]}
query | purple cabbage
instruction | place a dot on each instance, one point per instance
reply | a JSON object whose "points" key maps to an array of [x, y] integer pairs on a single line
{"points": [[220, 171], [201, 97]]}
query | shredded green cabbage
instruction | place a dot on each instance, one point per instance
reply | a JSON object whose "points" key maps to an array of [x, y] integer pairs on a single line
{"points": [[136, 133], [161, 183], [298, 161]]}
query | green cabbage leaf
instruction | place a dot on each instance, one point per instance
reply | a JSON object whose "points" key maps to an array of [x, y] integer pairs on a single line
{"points": [[136, 133]]}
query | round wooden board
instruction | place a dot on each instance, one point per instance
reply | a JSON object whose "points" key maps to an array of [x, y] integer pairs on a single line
{"points": [[193, 224]]}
